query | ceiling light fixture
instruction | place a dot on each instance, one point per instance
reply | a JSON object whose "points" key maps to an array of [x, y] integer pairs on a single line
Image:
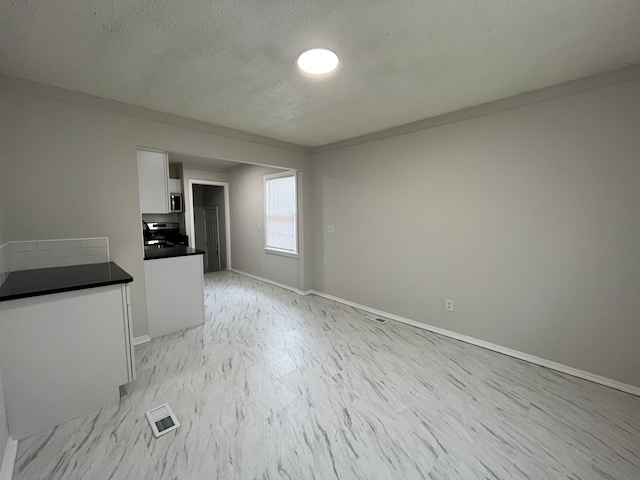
{"points": [[318, 61]]}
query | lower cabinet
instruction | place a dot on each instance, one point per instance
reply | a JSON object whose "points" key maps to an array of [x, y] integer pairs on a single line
{"points": [[175, 294], [64, 355]]}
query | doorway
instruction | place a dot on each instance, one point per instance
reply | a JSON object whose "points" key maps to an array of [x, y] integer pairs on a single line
{"points": [[210, 223], [212, 261]]}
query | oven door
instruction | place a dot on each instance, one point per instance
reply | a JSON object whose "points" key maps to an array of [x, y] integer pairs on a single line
{"points": [[176, 203]]}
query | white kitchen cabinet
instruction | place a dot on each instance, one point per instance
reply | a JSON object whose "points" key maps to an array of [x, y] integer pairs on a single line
{"points": [[153, 181], [64, 355], [175, 294]]}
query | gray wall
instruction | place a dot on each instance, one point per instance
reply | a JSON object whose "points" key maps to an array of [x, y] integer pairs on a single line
{"points": [[71, 171], [214, 197], [246, 204], [528, 219], [4, 430]]}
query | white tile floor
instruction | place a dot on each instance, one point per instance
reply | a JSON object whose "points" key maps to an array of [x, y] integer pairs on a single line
{"points": [[275, 385]]}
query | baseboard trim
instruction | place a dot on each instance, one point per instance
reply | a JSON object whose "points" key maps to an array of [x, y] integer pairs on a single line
{"points": [[9, 459], [140, 340], [559, 367], [266, 280]]}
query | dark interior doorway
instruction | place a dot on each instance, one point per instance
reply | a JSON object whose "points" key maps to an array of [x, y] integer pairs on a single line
{"points": [[210, 225]]}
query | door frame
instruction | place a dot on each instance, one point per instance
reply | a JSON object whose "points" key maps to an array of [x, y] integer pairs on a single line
{"points": [[227, 219]]}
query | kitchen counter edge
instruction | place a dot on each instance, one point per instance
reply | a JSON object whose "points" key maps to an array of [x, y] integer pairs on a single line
{"points": [[47, 281], [154, 253]]}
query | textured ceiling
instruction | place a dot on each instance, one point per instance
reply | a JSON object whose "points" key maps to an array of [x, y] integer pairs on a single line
{"points": [[232, 62]]}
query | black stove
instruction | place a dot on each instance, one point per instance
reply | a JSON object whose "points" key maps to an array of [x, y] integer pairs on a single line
{"points": [[163, 234]]}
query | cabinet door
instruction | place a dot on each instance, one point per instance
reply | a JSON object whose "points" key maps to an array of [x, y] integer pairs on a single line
{"points": [[153, 181]]}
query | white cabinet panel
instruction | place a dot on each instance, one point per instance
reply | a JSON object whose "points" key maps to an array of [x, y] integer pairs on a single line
{"points": [[127, 315], [153, 181], [62, 355], [175, 294]]}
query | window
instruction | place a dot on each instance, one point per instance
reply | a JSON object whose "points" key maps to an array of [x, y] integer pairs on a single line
{"points": [[281, 223]]}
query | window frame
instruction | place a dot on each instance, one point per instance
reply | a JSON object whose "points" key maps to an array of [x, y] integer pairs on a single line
{"points": [[280, 251]]}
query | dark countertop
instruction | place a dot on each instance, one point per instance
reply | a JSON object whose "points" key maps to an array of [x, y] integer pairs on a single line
{"points": [[154, 253], [44, 281]]}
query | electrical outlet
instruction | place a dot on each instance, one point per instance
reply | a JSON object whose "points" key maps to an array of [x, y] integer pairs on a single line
{"points": [[331, 229], [448, 305]]}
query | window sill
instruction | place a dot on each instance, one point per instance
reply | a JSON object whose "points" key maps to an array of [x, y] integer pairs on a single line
{"points": [[283, 253]]}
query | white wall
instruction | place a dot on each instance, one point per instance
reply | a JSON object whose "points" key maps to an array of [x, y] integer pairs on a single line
{"points": [[528, 219], [246, 204], [70, 171]]}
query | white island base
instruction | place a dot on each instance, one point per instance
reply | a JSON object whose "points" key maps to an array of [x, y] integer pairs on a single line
{"points": [[64, 355], [175, 294]]}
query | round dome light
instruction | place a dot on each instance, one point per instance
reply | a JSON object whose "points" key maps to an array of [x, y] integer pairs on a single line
{"points": [[318, 61]]}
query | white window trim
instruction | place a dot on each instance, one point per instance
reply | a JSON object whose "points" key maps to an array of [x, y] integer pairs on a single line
{"points": [[277, 251], [282, 253]]}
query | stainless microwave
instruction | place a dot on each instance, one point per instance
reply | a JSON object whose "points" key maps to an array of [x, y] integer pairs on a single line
{"points": [[176, 202]]}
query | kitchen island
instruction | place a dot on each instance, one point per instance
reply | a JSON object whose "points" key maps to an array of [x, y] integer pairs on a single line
{"points": [[175, 288], [65, 343]]}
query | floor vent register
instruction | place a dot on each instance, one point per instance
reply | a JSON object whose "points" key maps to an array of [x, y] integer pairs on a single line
{"points": [[376, 318], [162, 420]]}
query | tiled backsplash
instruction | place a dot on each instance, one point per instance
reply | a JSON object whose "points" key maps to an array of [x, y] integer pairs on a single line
{"points": [[29, 255]]}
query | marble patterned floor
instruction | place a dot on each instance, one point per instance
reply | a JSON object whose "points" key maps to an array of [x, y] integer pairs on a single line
{"points": [[276, 385]]}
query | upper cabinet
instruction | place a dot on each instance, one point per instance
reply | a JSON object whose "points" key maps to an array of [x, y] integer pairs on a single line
{"points": [[153, 181]]}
